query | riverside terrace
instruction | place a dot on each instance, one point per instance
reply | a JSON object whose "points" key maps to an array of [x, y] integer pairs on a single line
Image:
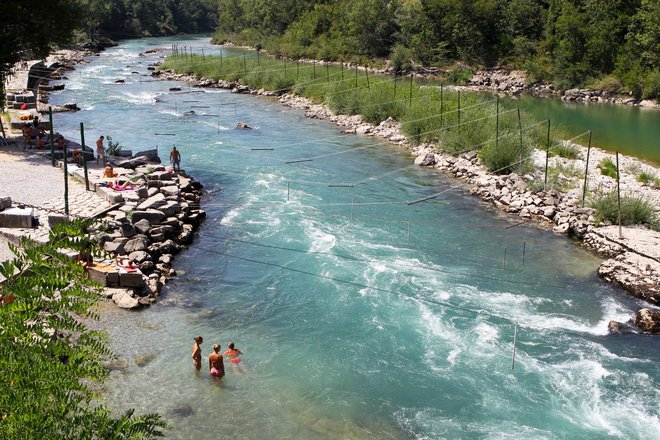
{"points": [[143, 223]]}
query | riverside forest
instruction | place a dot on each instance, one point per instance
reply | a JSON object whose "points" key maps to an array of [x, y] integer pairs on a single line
{"points": [[372, 298]]}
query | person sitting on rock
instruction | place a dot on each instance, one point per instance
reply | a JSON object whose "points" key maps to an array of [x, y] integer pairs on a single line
{"points": [[109, 172], [77, 156]]}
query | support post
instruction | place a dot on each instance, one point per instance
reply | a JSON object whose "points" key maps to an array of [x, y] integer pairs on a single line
{"points": [[547, 157], [442, 104], [618, 193], [244, 64], [327, 72], [352, 208], [522, 153], [459, 110], [288, 190], [52, 137], [84, 156], [4, 136], [586, 172], [366, 74], [497, 123], [410, 93], [66, 181], [220, 59], [297, 68], [356, 76], [342, 70], [395, 77], [314, 69], [408, 231]]}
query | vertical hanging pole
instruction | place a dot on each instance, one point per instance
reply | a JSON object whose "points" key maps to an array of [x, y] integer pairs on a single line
{"points": [[297, 68], [52, 137], [356, 76], [66, 182], [314, 69], [288, 190], [327, 72], [258, 58], [515, 336], [203, 56], [524, 246], [618, 193], [353, 208], [497, 123], [547, 157], [506, 239], [342, 70], [244, 64], [366, 73], [408, 231], [220, 60], [410, 92], [586, 172], [285, 67], [82, 147]]}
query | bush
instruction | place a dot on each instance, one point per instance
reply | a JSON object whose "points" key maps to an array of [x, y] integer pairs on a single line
{"points": [[401, 58], [562, 177], [635, 210], [651, 86], [607, 168], [459, 75], [566, 151], [608, 83], [506, 157], [113, 148]]}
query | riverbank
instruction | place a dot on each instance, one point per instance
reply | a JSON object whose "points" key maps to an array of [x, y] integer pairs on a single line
{"points": [[633, 258]]}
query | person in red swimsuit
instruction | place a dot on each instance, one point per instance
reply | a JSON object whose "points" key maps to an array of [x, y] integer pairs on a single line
{"points": [[216, 364], [232, 354]]}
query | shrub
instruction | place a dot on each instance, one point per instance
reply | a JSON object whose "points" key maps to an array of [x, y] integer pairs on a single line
{"points": [[459, 75], [401, 58], [607, 168], [566, 151], [651, 86], [562, 177], [608, 83], [635, 210], [506, 157], [647, 179], [113, 148]]}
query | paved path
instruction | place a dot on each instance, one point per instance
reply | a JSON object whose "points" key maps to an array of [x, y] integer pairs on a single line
{"points": [[31, 179]]}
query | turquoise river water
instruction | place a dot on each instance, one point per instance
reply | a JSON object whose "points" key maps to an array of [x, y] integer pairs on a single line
{"points": [[360, 316]]}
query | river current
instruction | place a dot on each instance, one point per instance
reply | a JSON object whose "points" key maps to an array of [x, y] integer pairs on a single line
{"points": [[360, 315]]}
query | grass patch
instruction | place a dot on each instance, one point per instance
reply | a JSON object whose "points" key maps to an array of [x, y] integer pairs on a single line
{"points": [[635, 210], [561, 177], [607, 168]]}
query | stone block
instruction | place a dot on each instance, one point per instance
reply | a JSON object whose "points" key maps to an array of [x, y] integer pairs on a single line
{"points": [[153, 216], [55, 219], [5, 202], [16, 218], [131, 279]]}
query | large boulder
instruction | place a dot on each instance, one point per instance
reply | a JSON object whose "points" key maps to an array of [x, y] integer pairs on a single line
{"points": [[648, 320], [124, 299], [153, 216], [138, 243]]}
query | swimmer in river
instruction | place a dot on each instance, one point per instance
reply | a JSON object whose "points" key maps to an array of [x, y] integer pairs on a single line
{"points": [[232, 354], [216, 364], [197, 353]]}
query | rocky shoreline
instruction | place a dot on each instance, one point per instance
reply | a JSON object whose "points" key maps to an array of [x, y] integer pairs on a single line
{"points": [[630, 265], [514, 82]]}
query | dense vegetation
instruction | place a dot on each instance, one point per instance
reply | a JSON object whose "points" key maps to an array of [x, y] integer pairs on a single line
{"points": [[611, 44], [50, 363]]}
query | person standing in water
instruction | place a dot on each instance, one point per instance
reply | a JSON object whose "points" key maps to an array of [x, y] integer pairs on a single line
{"points": [[197, 353], [216, 364], [175, 159], [232, 354]]}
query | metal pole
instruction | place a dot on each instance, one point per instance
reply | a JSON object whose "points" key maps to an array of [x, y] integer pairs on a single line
{"points": [[395, 76], [288, 190], [356, 76], [459, 110], [497, 123], [521, 140], [442, 102], [342, 70], [82, 145], [327, 72], [52, 137], [220, 59], [366, 73], [353, 208], [285, 67], [506, 237], [586, 172], [524, 247], [515, 336], [258, 58], [297, 68], [314, 69], [547, 157], [244, 64], [618, 193], [408, 231], [410, 93]]}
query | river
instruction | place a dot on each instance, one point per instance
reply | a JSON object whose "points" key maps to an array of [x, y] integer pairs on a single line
{"points": [[360, 315]]}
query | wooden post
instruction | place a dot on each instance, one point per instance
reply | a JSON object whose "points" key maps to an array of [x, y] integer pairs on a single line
{"points": [[297, 68], [356, 76], [342, 70], [586, 172], [366, 74], [314, 69], [221, 60], [327, 72], [395, 77], [84, 156], [258, 57], [52, 137]]}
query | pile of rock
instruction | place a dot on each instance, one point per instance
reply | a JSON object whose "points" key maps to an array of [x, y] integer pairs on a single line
{"points": [[149, 227]]}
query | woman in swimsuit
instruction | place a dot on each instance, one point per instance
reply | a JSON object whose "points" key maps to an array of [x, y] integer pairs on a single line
{"points": [[232, 353], [216, 364], [197, 353]]}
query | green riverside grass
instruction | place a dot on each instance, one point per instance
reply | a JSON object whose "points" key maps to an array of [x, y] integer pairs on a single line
{"points": [[426, 114], [635, 210]]}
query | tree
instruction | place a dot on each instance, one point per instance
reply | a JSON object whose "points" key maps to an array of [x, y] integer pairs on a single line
{"points": [[50, 363]]}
